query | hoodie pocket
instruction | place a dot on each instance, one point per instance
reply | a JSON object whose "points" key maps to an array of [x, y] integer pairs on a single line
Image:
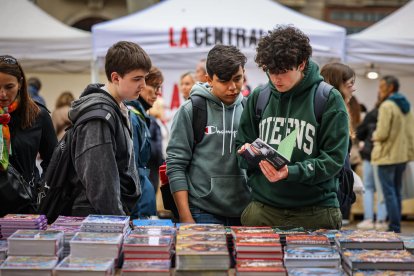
{"points": [[230, 194]]}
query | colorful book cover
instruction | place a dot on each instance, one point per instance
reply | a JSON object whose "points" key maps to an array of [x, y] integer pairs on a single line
{"points": [[153, 231], [152, 222], [315, 271], [37, 235], [86, 264], [383, 273], [101, 238], [148, 241], [200, 237], [311, 252], [359, 239], [29, 262], [67, 220], [239, 231], [258, 244], [146, 265], [201, 249], [260, 266], [106, 219], [307, 240], [378, 259], [208, 228]]}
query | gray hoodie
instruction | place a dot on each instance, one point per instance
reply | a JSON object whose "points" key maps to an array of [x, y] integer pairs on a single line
{"points": [[209, 171], [103, 159]]}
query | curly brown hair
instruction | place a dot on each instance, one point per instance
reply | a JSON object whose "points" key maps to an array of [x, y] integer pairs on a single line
{"points": [[282, 49]]}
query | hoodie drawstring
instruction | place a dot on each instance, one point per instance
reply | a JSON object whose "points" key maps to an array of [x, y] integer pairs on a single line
{"points": [[224, 128], [231, 129]]}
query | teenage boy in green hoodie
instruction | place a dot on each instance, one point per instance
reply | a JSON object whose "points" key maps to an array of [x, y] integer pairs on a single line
{"points": [[302, 193], [207, 184]]}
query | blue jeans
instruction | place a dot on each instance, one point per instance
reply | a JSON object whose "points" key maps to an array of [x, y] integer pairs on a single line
{"points": [[201, 216], [370, 188], [391, 182]]}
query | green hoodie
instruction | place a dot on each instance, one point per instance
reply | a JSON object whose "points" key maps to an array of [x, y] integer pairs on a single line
{"points": [[319, 152], [210, 172]]}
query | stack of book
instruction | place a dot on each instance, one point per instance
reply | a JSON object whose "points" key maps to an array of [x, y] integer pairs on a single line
{"points": [[36, 243], [397, 260], [408, 241], [73, 266], [106, 224], [256, 243], [287, 231], [204, 252], [314, 271], [70, 226], [372, 250], [12, 222], [149, 243], [149, 267], [23, 265], [101, 245], [153, 223], [306, 251]]}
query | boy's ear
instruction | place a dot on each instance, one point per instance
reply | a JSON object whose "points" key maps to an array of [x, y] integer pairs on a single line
{"points": [[115, 77], [209, 80]]}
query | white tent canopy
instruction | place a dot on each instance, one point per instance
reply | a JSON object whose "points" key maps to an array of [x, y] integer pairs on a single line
{"points": [[41, 42], [388, 44], [177, 33]]}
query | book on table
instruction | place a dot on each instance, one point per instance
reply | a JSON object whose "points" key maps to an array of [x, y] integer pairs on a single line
{"points": [[200, 256], [147, 243], [377, 259], [359, 239], [35, 243], [260, 150], [311, 256], [28, 266], [315, 271], [86, 244], [259, 267], [258, 244], [154, 267], [90, 266], [313, 240]]}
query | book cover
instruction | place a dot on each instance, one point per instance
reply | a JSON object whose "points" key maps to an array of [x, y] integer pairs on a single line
{"points": [[29, 263], [199, 249], [359, 239], [152, 231], [260, 150], [243, 231], [378, 259], [67, 220], [258, 244], [86, 264], [200, 238], [152, 222], [208, 228], [308, 240], [35, 243], [311, 256], [147, 243], [315, 271], [257, 266], [146, 265], [100, 238], [383, 273]]}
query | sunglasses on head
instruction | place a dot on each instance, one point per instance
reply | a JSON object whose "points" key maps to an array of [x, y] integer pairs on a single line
{"points": [[8, 59]]}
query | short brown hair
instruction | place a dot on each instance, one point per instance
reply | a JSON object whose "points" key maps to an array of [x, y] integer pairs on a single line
{"points": [[124, 57], [154, 78]]}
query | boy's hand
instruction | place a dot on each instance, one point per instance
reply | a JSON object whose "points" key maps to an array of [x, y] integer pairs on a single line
{"points": [[271, 173], [243, 148]]}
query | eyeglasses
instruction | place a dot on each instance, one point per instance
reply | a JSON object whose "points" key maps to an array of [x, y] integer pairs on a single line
{"points": [[8, 59]]}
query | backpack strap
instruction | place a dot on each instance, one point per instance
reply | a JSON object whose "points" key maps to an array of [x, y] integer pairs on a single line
{"points": [[199, 117], [262, 101], [96, 114], [321, 98]]}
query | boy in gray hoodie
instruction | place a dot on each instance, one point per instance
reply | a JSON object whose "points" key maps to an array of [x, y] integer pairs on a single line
{"points": [[206, 182]]}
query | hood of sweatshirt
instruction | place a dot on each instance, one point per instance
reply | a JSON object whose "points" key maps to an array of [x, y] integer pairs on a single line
{"points": [[92, 95], [401, 101], [228, 113]]}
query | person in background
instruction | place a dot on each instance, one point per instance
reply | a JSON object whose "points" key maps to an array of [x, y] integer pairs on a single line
{"points": [[60, 117], [26, 129], [206, 183], [146, 205], [186, 83], [200, 72], [34, 86], [103, 156], [304, 192], [393, 146], [364, 134], [342, 78]]}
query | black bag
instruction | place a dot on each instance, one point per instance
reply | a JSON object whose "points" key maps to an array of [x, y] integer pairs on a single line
{"points": [[16, 195], [60, 190]]}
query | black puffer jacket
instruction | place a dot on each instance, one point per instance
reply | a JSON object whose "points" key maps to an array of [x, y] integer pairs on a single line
{"points": [[364, 133], [104, 161]]}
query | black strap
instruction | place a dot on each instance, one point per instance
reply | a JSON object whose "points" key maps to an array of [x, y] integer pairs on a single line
{"points": [[262, 101], [97, 114], [199, 117], [321, 98]]}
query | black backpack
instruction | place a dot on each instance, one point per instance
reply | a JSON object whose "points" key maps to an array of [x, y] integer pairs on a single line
{"points": [[345, 192], [60, 189]]}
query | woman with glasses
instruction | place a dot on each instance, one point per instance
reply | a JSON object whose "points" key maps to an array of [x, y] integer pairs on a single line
{"points": [[146, 205], [26, 129]]}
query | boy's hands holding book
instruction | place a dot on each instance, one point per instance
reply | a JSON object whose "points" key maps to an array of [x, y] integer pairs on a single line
{"points": [[271, 173]]}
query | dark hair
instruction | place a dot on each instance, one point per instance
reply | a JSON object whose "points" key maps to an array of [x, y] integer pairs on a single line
{"points": [[64, 99], [282, 49], [154, 77], [224, 61], [337, 73], [391, 80], [27, 109], [35, 82], [124, 57]]}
